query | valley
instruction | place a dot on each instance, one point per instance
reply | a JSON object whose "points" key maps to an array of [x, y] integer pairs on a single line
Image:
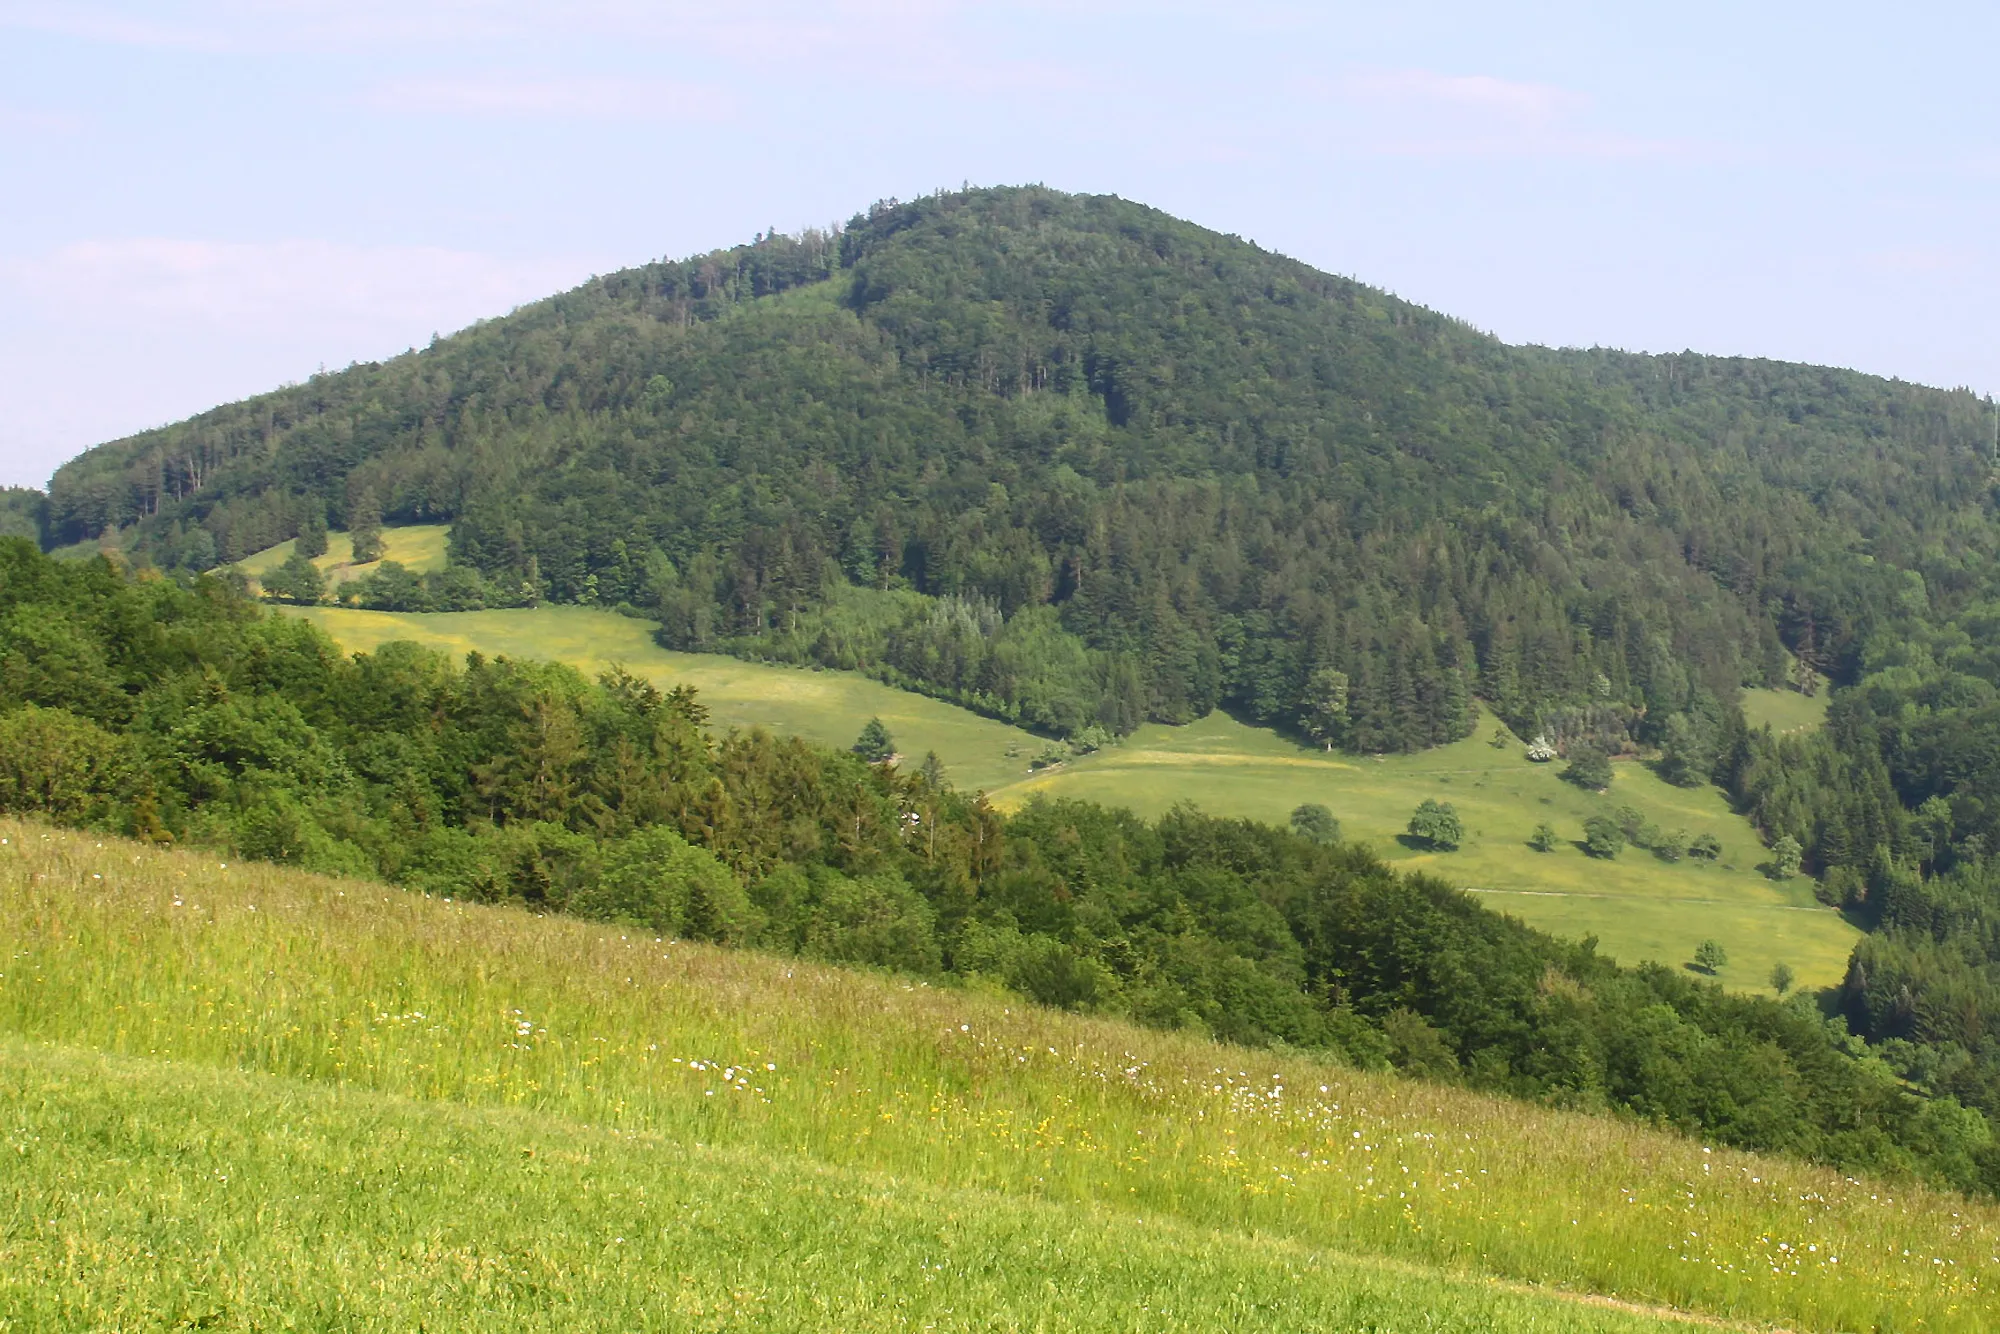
{"points": [[1638, 906]]}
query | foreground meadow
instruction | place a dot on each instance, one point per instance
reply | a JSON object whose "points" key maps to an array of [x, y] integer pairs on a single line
{"points": [[344, 1005]]}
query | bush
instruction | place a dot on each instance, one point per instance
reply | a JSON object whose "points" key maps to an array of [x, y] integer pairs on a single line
{"points": [[1787, 858], [1544, 838], [1315, 822], [1706, 847], [1602, 837], [1541, 750], [874, 744], [1671, 846], [1436, 825], [1588, 768], [57, 764], [658, 880], [1709, 957]]}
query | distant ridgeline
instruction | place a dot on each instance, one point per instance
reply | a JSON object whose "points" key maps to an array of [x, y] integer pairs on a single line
{"points": [[1074, 462], [175, 710]]}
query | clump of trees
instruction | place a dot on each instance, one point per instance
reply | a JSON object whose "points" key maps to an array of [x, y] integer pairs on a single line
{"points": [[1436, 825]]}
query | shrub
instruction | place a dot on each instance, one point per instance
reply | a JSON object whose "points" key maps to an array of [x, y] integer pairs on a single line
{"points": [[1589, 768], [1706, 847], [58, 764], [1541, 750], [874, 744], [1602, 837], [1709, 957], [1671, 846], [1544, 838], [1787, 858]]}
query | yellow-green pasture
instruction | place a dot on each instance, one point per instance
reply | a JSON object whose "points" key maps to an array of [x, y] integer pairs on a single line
{"points": [[243, 1097], [1784, 710], [823, 706], [419, 547], [1638, 906]]}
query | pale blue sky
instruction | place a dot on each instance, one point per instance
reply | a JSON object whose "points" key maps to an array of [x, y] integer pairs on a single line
{"points": [[206, 199]]}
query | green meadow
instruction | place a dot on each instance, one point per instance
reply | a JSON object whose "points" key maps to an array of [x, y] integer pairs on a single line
{"points": [[1784, 710], [243, 1097], [1637, 906], [826, 707], [419, 547]]}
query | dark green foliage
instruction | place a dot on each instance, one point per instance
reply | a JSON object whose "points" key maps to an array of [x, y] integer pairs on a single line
{"points": [[1782, 978], [874, 744], [1544, 838], [311, 541], [1705, 847], [1670, 846], [177, 710], [1602, 837], [1315, 822], [24, 512], [1436, 825], [1710, 957], [1588, 768], [1204, 474]]}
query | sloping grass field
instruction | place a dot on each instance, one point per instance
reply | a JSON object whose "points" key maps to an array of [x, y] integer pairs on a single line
{"points": [[419, 547], [1637, 906], [242, 1097]]}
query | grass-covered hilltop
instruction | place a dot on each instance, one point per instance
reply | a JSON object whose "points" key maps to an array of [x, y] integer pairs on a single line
{"points": [[1226, 642]]}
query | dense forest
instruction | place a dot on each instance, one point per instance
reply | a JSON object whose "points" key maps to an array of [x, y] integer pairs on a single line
{"points": [[172, 709], [1078, 464]]}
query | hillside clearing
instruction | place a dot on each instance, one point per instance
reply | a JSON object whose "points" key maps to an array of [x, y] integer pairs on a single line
{"points": [[371, 992], [418, 547], [1638, 907]]}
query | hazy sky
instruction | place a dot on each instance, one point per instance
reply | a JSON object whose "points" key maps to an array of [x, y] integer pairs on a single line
{"points": [[202, 200]]}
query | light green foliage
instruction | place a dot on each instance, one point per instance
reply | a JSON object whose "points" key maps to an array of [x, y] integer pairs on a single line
{"points": [[1544, 838], [1670, 846], [1710, 957], [655, 879], [55, 762], [296, 581], [1436, 825], [1782, 978], [1705, 847], [1786, 857], [552, 1125]]}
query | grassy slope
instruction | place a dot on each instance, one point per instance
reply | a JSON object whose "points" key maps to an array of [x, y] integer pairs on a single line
{"points": [[1784, 710], [380, 1104], [827, 707], [419, 547], [1638, 907]]}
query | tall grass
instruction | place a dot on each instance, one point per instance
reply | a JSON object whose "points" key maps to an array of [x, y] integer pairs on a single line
{"points": [[171, 955]]}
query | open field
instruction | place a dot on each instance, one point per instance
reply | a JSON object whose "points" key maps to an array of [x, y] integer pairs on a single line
{"points": [[827, 707], [1784, 710], [419, 547], [236, 1093], [1638, 906]]}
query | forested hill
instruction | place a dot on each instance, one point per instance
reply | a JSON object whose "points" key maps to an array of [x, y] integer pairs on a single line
{"points": [[1078, 463]]}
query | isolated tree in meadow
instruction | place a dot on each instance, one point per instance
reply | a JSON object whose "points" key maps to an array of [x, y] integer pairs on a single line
{"points": [[1709, 956], [298, 581], [1589, 768], [1781, 978], [1436, 825], [1544, 838], [1602, 837], [1787, 858], [874, 744], [1325, 700], [1315, 822]]}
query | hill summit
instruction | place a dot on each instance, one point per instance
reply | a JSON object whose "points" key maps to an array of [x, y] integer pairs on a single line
{"points": [[1079, 464]]}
